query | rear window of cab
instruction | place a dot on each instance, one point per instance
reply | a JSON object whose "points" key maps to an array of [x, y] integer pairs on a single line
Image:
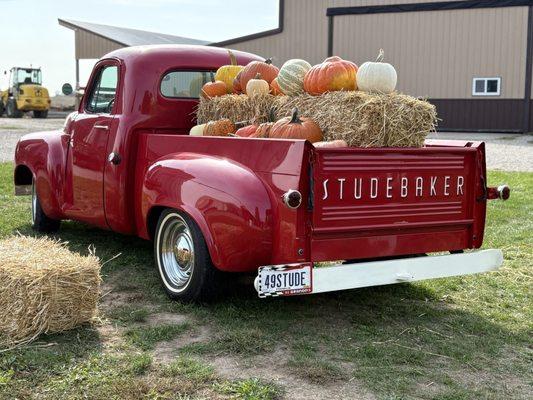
{"points": [[184, 84]]}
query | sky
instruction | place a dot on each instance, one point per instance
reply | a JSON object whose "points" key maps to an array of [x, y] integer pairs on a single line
{"points": [[32, 35]]}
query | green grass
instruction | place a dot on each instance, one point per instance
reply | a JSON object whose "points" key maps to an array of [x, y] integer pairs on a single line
{"points": [[457, 338], [148, 336], [191, 369], [250, 389], [129, 314], [9, 127]]}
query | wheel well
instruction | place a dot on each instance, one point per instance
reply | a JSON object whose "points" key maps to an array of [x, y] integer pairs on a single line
{"points": [[23, 176], [151, 220]]}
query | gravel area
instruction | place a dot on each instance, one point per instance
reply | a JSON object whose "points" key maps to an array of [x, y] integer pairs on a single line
{"points": [[11, 129], [507, 152]]}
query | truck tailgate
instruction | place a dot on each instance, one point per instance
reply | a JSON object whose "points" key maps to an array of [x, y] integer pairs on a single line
{"points": [[394, 201]]}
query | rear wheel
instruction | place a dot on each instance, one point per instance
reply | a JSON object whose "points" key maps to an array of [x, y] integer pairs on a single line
{"points": [[182, 258], [40, 221], [12, 110], [40, 114], [1, 107]]}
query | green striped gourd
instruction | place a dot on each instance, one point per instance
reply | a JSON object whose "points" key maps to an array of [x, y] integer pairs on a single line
{"points": [[291, 76]]}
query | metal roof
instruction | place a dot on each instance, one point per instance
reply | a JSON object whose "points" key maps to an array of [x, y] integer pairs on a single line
{"points": [[126, 36]]}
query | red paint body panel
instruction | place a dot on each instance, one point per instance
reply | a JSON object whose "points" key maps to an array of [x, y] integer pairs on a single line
{"points": [[395, 200], [233, 187], [235, 194]]}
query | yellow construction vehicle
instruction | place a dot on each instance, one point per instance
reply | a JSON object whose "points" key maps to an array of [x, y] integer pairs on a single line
{"points": [[25, 93]]}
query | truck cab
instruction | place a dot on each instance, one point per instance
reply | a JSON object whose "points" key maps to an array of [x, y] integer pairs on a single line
{"points": [[25, 93], [124, 161]]}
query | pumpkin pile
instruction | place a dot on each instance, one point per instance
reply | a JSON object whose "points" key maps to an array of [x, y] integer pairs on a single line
{"points": [[349, 105]]}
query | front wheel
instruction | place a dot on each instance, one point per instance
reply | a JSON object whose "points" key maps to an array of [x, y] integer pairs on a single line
{"points": [[39, 220], [182, 258]]}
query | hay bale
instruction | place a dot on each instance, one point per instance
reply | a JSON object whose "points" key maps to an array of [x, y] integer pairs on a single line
{"points": [[235, 107], [44, 288], [364, 119], [361, 119]]}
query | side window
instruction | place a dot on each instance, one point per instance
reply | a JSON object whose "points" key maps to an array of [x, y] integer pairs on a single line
{"points": [[184, 84], [103, 92]]}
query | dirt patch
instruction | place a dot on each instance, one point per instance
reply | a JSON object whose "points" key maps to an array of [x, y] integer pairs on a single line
{"points": [[167, 319], [111, 337], [112, 299], [273, 368], [165, 352], [509, 382]]}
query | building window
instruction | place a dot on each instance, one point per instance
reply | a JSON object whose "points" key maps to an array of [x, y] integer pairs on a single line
{"points": [[486, 86]]}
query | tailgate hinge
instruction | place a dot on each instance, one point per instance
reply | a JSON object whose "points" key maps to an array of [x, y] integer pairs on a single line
{"points": [[310, 200]]}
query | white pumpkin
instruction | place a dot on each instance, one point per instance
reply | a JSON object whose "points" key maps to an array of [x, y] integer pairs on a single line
{"points": [[291, 76], [197, 130], [257, 86], [377, 76]]}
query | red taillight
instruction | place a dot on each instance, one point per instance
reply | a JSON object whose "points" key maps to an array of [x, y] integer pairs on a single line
{"points": [[502, 192]]}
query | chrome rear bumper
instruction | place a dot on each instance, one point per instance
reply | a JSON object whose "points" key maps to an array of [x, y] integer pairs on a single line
{"points": [[377, 273]]}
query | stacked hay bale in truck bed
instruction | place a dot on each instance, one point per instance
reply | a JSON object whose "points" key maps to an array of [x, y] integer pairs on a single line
{"points": [[359, 118], [328, 94]]}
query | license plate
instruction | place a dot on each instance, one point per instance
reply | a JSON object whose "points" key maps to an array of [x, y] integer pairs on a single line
{"points": [[285, 280]]}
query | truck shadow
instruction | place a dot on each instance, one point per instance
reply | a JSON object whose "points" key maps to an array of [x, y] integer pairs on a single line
{"points": [[390, 330]]}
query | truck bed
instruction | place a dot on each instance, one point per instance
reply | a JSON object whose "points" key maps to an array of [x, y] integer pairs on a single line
{"points": [[358, 202]]}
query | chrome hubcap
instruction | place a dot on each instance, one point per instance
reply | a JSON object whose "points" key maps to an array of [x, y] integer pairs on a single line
{"points": [[177, 252], [33, 203]]}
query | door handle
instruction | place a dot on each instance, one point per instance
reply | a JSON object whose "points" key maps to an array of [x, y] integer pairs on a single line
{"points": [[104, 127], [114, 158]]}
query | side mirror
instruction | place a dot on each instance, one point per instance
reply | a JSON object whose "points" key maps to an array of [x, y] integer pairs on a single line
{"points": [[5, 72]]}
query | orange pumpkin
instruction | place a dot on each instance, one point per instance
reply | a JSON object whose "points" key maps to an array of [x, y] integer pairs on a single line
{"points": [[263, 130], [246, 131], [333, 74], [265, 68], [274, 87], [222, 127], [214, 88], [294, 127]]}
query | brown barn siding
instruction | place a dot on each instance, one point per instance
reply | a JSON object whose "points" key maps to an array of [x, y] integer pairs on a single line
{"points": [[91, 46], [480, 42], [438, 53], [480, 114]]}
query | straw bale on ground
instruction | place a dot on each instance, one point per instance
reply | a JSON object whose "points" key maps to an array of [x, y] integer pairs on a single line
{"points": [[44, 288]]}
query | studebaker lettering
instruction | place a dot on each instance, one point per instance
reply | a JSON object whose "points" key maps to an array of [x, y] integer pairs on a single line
{"points": [[358, 188]]}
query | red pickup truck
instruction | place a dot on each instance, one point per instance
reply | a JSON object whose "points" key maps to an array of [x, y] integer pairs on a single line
{"points": [[125, 162]]}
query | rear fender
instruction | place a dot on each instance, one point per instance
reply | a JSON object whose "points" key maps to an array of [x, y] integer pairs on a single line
{"points": [[230, 204], [44, 154]]}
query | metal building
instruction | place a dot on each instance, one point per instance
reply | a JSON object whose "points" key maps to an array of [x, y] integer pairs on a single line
{"points": [[92, 41], [472, 59]]}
